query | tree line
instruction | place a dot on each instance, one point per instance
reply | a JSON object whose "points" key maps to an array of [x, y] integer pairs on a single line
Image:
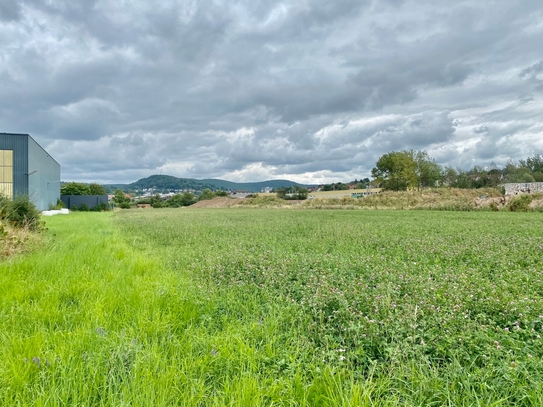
{"points": [[410, 169]]}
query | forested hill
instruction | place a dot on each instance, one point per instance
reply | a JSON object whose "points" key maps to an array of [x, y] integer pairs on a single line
{"points": [[250, 186], [162, 182], [168, 182]]}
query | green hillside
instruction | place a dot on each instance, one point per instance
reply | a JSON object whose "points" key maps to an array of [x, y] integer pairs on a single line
{"points": [[169, 182], [249, 186]]}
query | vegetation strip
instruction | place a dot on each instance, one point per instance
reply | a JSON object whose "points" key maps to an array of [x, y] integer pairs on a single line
{"points": [[247, 307]]}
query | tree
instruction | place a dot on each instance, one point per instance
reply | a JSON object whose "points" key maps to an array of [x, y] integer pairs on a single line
{"points": [[428, 172], [75, 188], [449, 176], [338, 186], [526, 177], [396, 171], [97, 189], [292, 193], [534, 164], [119, 197], [206, 194], [363, 183], [178, 200]]}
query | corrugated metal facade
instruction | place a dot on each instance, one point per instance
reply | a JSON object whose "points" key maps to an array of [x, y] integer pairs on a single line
{"points": [[71, 201], [18, 143], [35, 172], [44, 176]]}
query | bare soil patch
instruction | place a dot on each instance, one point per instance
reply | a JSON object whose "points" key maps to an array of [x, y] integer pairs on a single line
{"points": [[218, 202]]}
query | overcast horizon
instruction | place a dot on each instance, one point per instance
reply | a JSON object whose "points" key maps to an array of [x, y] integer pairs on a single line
{"points": [[310, 91]]}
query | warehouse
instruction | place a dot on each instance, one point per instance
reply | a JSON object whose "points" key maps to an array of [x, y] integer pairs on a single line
{"points": [[27, 169]]}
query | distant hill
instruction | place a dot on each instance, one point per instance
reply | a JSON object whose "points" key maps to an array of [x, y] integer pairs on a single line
{"points": [[250, 186], [168, 182]]}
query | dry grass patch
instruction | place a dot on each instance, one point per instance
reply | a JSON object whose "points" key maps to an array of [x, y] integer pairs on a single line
{"points": [[15, 241]]}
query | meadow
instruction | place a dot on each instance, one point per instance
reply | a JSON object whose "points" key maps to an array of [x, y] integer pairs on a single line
{"points": [[249, 307]]}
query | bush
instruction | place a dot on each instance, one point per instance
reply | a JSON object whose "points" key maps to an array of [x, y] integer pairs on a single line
{"points": [[205, 195], [185, 199], [101, 207], [84, 207], [293, 193], [124, 205], [520, 203], [57, 206], [20, 212]]}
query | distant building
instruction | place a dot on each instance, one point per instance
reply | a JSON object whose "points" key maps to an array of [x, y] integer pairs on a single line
{"points": [[27, 169]]}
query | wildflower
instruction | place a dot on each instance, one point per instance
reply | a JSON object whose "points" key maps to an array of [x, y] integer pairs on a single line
{"points": [[213, 352], [342, 357], [36, 361], [530, 356]]}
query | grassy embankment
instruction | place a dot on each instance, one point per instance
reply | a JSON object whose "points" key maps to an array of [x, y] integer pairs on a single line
{"points": [[441, 199], [244, 307]]}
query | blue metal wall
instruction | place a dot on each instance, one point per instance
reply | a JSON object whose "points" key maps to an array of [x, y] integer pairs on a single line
{"points": [[43, 176], [19, 144], [77, 200], [35, 172]]}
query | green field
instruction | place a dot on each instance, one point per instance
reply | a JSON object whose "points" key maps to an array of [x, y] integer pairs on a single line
{"points": [[249, 307]]}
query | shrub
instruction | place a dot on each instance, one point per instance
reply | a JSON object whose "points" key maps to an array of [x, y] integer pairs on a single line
{"points": [[101, 207], [205, 195], [124, 205], [84, 207], [57, 206], [520, 203], [20, 212]]}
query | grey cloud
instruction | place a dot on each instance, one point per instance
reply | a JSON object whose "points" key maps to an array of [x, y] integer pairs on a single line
{"points": [[10, 10], [205, 89], [535, 75]]}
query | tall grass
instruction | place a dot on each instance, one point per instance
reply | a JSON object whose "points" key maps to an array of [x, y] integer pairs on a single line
{"points": [[304, 308]]}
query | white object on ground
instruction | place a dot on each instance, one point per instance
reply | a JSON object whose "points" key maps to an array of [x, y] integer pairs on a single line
{"points": [[63, 211]]}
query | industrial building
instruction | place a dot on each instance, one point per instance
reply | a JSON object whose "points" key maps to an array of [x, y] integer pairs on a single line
{"points": [[27, 169]]}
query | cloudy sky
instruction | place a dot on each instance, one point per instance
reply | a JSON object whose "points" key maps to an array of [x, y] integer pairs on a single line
{"points": [[246, 90]]}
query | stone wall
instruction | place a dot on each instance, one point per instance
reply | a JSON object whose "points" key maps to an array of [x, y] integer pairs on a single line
{"points": [[523, 188]]}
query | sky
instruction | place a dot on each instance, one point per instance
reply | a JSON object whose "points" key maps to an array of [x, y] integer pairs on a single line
{"points": [[246, 90]]}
